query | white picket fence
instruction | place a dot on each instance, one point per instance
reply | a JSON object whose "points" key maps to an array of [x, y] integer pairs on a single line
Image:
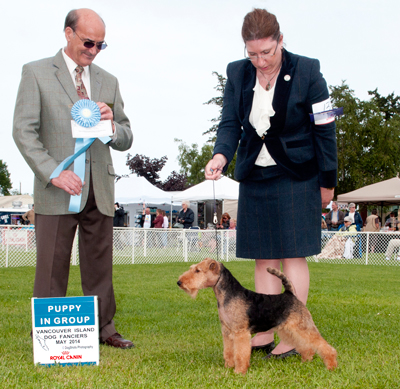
{"points": [[152, 246]]}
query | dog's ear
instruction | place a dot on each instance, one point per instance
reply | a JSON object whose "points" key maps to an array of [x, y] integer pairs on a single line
{"points": [[213, 266]]}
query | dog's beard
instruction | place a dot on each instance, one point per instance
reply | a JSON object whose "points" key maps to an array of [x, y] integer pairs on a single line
{"points": [[191, 292]]}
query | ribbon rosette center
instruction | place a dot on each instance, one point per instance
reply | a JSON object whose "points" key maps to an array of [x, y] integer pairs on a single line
{"points": [[86, 113]]}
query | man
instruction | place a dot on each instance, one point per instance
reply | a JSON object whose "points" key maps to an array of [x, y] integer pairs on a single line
{"points": [[334, 218], [42, 132], [118, 216], [30, 215], [147, 219], [392, 222]]}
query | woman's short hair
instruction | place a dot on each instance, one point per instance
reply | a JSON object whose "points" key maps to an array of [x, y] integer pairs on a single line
{"points": [[260, 24], [352, 205], [187, 202]]}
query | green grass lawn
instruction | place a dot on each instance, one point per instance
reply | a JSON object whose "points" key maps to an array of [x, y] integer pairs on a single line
{"points": [[179, 343]]}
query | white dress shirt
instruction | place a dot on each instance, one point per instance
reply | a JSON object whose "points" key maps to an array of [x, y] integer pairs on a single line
{"points": [[260, 114], [71, 65]]}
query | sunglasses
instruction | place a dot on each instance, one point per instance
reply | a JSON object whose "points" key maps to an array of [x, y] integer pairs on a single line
{"points": [[89, 44]]}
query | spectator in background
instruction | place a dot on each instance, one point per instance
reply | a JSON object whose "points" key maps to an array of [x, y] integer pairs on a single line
{"points": [[147, 219], [224, 222], [159, 220], [324, 227], [372, 225], [165, 226], [186, 215], [118, 216], [29, 216], [357, 219], [392, 222], [334, 218]]}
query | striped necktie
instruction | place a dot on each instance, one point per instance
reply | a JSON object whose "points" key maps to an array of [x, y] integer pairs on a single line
{"points": [[80, 86]]}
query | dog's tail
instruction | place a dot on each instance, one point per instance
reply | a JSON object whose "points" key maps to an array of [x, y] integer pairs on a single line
{"points": [[285, 281]]}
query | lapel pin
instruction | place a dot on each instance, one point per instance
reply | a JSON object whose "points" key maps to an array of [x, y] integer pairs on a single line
{"points": [[287, 77]]}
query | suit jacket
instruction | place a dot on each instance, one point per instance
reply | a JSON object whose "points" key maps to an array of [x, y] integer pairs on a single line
{"points": [[340, 217], [299, 147], [42, 132]]}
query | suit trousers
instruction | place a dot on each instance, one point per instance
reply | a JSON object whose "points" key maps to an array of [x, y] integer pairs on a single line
{"points": [[54, 239]]}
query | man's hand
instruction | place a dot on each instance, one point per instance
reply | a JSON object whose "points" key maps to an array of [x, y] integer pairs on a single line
{"points": [[68, 181], [106, 114], [326, 196], [214, 167]]}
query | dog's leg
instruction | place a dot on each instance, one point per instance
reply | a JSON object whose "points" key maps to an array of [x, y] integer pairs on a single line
{"points": [[300, 331], [242, 351], [326, 352], [228, 346]]}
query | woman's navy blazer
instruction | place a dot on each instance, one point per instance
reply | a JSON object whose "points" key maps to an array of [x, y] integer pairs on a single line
{"points": [[298, 146]]}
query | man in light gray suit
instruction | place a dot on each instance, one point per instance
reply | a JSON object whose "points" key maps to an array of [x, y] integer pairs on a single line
{"points": [[42, 132]]}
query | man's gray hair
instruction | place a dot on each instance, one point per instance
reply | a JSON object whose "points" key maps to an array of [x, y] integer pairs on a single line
{"points": [[187, 202], [352, 205], [72, 19]]}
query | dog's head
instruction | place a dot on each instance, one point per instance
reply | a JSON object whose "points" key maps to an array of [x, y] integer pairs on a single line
{"points": [[200, 276]]}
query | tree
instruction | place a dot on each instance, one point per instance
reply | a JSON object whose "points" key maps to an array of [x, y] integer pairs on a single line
{"points": [[219, 101], [175, 182], [193, 162], [367, 138], [5, 182], [145, 167], [148, 168]]}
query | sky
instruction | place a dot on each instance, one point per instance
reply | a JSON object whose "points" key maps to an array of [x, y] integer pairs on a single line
{"points": [[163, 53]]}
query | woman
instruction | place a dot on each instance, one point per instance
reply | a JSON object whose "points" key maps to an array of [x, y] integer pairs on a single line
{"points": [[355, 216], [224, 223], [165, 226], [372, 225], [159, 220], [186, 215], [335, 248], [285, 162]]}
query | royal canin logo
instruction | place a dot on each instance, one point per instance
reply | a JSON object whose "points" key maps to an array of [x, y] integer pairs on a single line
{"points": [[64, 352], [65, 357]]}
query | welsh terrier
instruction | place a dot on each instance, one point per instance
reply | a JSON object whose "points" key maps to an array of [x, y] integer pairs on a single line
{"points": [[243, 312]]}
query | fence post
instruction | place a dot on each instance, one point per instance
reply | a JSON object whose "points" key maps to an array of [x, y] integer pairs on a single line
{"points": [[145, 243], [7, 244], [133, 246], [367, 249], [184, 242], [227, 245]]}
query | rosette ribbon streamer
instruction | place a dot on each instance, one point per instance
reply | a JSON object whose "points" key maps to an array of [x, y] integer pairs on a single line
{"points": [[87, 114]]}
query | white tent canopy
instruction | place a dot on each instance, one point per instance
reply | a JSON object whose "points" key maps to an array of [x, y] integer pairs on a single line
{"points": [[225, 189], [135, 189]]}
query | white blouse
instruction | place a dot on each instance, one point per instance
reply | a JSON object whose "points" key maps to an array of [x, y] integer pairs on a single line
{"points": [[260, 113]]}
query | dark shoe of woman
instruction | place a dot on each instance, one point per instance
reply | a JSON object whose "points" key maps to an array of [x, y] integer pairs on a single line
{"points": [[287, 354], [266, 348]]}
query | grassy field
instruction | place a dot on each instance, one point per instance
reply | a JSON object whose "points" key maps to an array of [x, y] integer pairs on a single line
{"points": [[178, 340]]}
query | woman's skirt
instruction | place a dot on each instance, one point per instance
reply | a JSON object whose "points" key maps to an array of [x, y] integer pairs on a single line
{"points": [[278, 216]]}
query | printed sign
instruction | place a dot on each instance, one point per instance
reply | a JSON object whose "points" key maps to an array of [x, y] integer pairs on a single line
{"points": [[15, 237], [65, 330], [104, 128]]}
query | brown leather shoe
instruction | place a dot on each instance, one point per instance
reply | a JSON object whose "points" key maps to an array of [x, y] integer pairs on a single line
{"points": [[116, 340]]}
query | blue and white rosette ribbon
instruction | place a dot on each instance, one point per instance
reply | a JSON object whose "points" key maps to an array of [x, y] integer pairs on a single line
{"points": [[86, 113], [326, 115]]}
